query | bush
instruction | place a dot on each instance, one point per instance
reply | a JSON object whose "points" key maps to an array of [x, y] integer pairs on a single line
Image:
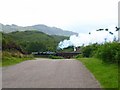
{"points": [[55, 57], [109, 52], [89, 50], [79, 56]]}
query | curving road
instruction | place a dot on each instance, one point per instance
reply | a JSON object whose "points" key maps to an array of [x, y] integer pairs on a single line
{"points": [[47, 73]]}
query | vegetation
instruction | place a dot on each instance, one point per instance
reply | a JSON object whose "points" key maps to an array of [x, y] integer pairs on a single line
{"points": [[88, 51], [33, 41], [108, 52], [14, 57], [102, 60], [55, 57], [0, 58], [18, 46], [106, 74], [79, 56]]}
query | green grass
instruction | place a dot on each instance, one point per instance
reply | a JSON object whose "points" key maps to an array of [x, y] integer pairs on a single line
{"points": [[55, 57], [13, 57], [0, 63], [7, 61], [106, 74]]}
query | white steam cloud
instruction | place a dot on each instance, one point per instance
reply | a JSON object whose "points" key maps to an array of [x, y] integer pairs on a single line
{"points": [[90, 38]]}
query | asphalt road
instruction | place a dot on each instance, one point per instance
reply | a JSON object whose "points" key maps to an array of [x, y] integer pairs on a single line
{"points": [[46, 73]]}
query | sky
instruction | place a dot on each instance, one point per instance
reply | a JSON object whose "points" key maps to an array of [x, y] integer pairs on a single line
{"points": [[79, 16]]}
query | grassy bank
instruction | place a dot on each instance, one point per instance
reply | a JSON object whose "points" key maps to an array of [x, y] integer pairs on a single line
{"points": [[11, 58], [0, 61], [106, 74]]}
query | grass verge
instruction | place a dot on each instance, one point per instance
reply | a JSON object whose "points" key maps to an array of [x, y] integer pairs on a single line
{"points": [[13, 60], [14, 57], [106, 74], [55, 57]]}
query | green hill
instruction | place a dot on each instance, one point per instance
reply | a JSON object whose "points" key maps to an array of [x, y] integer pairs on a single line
{"points": [[32, 41]]}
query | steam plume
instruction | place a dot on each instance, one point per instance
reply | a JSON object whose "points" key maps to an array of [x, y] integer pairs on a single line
{"points": [[106, 35]]}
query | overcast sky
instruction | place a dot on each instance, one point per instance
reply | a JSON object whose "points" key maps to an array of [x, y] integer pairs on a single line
{"points": [[74, 15]]}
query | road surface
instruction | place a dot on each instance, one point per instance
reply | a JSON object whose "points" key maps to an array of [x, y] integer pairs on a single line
{"points": [[46, 73]]}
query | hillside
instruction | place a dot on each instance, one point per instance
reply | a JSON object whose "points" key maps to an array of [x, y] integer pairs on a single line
{"points": [[40, 27], [33, 40]]}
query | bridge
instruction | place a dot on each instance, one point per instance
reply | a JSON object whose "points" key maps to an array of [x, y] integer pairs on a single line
{"points": [[62, 54], [67, 54]]}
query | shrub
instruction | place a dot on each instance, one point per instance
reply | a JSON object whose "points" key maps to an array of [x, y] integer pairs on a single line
{"points": [[79, 56], [109, 52], [55, 57], [89, 50]]}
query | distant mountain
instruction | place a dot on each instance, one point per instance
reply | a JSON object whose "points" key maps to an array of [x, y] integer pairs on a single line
{"points": [[40, 27]]}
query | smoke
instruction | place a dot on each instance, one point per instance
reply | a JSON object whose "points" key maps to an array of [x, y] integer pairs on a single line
{"points": [[89, 38], [64, 44]]}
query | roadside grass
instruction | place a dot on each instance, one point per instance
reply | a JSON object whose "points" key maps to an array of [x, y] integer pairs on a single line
{"points": [[0, 63], [49, 56], [55, 57], [7, 61], [13, 57], [106, 74], [0, 59]]}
